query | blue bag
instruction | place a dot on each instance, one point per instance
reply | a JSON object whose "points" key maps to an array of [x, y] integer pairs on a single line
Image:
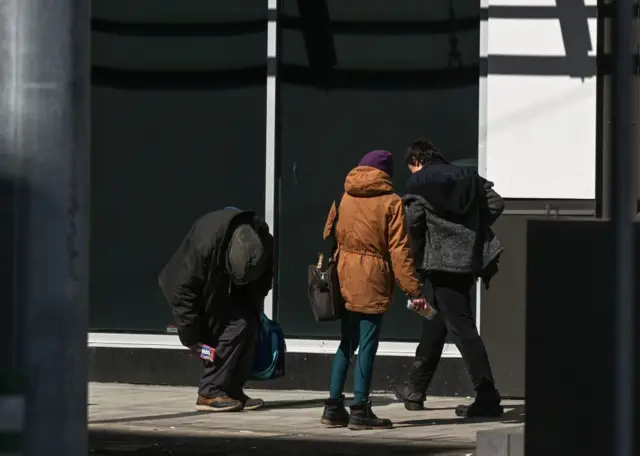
{"points": [[269, 362]]}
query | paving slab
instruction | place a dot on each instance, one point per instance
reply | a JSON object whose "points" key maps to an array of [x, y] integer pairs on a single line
{"points": [[501, 442], [145, 420]]}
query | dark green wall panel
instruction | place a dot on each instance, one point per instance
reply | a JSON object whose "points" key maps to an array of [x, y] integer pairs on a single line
{"points": [[357, 77], [178, 130]]}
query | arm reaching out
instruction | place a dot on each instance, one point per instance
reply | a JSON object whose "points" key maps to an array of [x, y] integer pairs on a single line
{"points": [[400, 252]]}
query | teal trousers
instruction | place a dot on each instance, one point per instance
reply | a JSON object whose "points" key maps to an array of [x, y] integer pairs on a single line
{"points": [[357, 330]]}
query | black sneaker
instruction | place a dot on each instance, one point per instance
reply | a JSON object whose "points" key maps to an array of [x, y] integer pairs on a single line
{"points": [[335, 415], [248, 403], [363, 418], [251, 403], [486, 405], [412, 401]]}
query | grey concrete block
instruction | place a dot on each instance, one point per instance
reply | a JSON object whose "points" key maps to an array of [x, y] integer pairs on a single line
{"points": [[516, 443], [501, 442]]}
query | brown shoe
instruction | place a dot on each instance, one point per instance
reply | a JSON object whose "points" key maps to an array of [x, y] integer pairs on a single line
{"points": [[218, 404]]}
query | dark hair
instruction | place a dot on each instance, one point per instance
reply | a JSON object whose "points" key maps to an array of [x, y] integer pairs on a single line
{"points": [[421, 151]]}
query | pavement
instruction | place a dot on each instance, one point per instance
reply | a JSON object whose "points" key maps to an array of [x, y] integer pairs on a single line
{"points": [[140, 420]]}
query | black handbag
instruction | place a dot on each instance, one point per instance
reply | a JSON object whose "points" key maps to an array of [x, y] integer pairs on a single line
{"points": [[327, 302]]}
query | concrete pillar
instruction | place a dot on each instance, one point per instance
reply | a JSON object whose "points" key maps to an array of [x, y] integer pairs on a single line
{"points": [[44, 189]]}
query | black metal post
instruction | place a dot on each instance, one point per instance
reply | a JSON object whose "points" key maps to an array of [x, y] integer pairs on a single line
{"points": [[44, 164], [606, 58], [620, 208], [603, 109]]}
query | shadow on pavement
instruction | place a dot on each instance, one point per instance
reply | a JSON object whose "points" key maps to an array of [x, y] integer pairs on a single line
{"points": [[311, 403], [514, 415], [121, 443], [271, 405]]}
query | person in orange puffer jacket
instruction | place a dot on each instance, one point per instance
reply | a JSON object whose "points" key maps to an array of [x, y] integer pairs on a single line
{"points": [[372, 247]]}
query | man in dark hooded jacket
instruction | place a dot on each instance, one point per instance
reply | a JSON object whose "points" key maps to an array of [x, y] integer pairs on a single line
{"points": [[450, 211], [216, 284]]}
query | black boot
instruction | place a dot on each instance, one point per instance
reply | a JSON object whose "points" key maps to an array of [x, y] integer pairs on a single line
{"points": [[335, 414], [363, 418], [412, 401], [486, 405]]}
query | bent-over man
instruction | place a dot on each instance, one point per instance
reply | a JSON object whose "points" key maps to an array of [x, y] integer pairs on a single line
{"points": [[216, 284]]}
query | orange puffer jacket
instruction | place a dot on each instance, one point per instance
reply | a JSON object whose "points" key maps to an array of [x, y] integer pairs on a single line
{"points": [[373, 243]]}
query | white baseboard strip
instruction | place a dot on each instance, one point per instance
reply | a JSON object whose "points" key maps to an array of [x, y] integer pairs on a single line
{"points": [[171, 342]]}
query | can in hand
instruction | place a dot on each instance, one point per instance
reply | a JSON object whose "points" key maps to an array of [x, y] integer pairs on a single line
{"points": [[427, 312], [207, 353]]}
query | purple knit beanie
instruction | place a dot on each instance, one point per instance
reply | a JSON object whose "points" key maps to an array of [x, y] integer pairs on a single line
{"points": [[380, 159]]}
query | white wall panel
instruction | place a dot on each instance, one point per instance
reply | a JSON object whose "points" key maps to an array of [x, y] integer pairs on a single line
{"points": [[535, 2], [540, 132], [541, 137], [523, 2], [541, 37]]}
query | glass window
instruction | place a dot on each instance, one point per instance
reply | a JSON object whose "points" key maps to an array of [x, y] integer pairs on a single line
{"points": [[178, 130], [353, 77]]}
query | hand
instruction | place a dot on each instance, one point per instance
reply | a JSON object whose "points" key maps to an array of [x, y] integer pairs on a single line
{"points": [[420, 303], [195, 349]]}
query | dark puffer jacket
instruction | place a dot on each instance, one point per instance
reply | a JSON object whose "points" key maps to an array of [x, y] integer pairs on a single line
{"points": [[450, 212]]}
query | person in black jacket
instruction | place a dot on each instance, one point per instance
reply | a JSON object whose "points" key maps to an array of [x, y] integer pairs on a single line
{"points": [[450, 211], [216, 283]]}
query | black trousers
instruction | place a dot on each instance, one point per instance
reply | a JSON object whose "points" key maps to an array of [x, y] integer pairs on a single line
{"points": [[234, 338], [452, 294]]}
